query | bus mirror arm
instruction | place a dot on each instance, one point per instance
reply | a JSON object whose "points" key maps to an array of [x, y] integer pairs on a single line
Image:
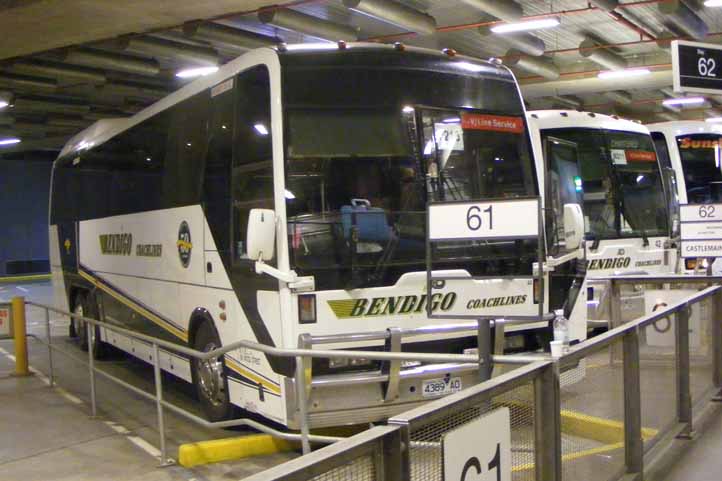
{"points": [[294, 281], [552, 262]]}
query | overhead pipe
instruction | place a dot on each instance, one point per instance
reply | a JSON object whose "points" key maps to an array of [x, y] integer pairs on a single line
{"points": [[521, 41], [23, 104], [570, 102], [94, 115], [506, 10], [606, 5], [578, 86], [667, 116], [603, 57], [111, 61], [6, 120], [683, 18], [134, 90], [396, 13], [70, 122], [307, 24], [542, 66], [664, 39], [27, 82], [229, 37], [58, 71], [619, 96], [168, 49]]}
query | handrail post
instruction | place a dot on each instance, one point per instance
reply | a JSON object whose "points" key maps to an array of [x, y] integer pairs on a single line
{"points": [[633, 443], [91, 367], [20, 337], [547, 425], [717, 346], [483, 346], [302, 394], [50, 347], [684, 400], [164, 461]]}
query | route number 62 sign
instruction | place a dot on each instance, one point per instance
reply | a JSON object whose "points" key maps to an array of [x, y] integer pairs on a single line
{"points": [[479, 450]]}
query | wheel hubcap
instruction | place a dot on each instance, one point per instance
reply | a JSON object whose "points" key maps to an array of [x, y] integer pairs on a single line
{"points": [[210, 377], [80, 328]]}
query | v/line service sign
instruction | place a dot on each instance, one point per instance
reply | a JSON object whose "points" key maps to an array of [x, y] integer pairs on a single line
{"points": [[696, 67], [701, 230], [479, 450]]}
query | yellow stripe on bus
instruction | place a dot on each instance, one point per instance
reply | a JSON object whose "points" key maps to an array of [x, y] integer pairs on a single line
{"points": [[253, 377], [137, 308]]}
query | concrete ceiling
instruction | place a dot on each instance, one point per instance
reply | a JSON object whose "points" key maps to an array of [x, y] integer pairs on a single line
{"points": [[30, 26]]}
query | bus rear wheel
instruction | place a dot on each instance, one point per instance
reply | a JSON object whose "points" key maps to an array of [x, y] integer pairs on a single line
{"points": [[85, 305], [209, 376]]}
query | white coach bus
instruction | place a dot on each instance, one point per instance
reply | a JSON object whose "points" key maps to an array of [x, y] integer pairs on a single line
{"points": [[159, 222], [608, 166], [691, 149]]}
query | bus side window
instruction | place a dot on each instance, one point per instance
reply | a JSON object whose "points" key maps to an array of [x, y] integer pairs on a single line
{"points": [[252, 173]]}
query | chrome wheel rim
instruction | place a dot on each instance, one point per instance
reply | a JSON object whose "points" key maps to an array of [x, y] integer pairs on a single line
{"points": [[210, 377], [80, 329]]}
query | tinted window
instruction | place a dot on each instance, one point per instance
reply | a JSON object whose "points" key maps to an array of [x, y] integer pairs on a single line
{"points": [[660, 145]]}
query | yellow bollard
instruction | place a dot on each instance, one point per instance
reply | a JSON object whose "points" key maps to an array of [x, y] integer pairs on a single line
{"points": [[21, 341]]}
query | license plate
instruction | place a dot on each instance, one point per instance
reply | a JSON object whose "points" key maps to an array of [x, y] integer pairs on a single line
{"points": [[441, 386]]}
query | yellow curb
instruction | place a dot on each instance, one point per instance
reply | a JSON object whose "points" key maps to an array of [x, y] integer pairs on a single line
{"points": [[572, 456], [599, 429], [37, 277], [216, 450]]}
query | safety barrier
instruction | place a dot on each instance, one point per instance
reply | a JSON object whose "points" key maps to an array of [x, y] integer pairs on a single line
{"points": [[302, 381], [599, 412]]}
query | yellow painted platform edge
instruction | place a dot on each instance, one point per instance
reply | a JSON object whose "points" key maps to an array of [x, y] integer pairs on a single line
{"points": [[217, 450], [35, 277]]}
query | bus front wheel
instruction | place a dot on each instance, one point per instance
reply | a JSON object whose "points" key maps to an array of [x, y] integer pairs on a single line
{"points": [[209, 376]]}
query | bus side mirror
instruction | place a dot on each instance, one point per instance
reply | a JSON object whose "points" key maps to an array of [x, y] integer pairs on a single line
{"points": [[573, 226], [261, 235]]}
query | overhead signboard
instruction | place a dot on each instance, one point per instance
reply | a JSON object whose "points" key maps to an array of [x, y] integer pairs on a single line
{"points": [[479, 450], [488, 220], [697, 67], [701, 230]]}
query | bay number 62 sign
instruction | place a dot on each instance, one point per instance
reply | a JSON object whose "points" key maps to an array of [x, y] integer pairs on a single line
{"points": [[498, 219], [479, 450]]}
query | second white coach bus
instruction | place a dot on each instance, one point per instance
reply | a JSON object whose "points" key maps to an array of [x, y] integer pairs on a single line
{"points": [[608, 165], [286, 195]]}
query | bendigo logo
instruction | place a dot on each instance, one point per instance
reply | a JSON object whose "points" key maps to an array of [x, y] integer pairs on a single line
{"points": [[383, 306], [116, 244]]}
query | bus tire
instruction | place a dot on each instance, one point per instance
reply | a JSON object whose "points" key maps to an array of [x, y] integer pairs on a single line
{"points": [[87, 305], [209, 376]]}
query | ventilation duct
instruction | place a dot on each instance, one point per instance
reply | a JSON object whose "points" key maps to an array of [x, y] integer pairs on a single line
{"points": [[569, 102], [396, 13], [668, 92], [26, 82], [132, 90], [667, 116], [68, 122], [94, 115], [591, 85], [111, 61], [229, 37], [32, 105], [56, 70], [664, 39], [177, 51], [683, 18], [606, 5], [522, 42], [6, 120], [506, 10], [542, 66], [601, 56], [619, 96], [307, 24]]}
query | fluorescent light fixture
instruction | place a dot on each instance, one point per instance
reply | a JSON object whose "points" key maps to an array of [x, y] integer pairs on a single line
{"points": [[640, 178], [683, 101], [713, 3], [261, 129], [196, 72], [627, 72], [407, 109], [289, 195], [9, 141], [524, 26], [3, 104], [452, 120], [713, 119]]}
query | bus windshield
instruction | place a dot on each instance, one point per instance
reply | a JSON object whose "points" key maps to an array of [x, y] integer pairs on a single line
{"points": [[617, 180], [700, 158], [359, 174]]}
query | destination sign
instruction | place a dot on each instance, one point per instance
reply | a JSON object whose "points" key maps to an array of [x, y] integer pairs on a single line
{"points": [[696, 67]]}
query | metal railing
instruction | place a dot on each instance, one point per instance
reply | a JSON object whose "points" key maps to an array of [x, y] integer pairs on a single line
{"points": [[302, 356], [596, 413]]}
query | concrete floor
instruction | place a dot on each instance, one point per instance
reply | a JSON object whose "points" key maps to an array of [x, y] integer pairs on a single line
{"points": [[48, 433]]}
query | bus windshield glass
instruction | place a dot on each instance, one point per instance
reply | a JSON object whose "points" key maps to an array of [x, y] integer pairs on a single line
{"points": [[700, 157], [363, 161], [617, 179]]}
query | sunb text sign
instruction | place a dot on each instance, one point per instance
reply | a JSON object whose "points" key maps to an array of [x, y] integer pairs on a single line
{"points": [[502, 219]]}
